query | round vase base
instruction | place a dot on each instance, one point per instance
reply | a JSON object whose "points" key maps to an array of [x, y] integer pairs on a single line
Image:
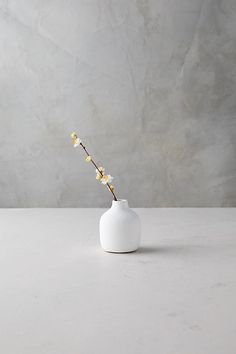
{"points": [[120, 252]]}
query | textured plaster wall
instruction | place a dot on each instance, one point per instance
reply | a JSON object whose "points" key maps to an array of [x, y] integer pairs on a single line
{"points": [[150, 86]]}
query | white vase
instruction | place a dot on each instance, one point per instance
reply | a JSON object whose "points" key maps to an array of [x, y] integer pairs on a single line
{"points": [[120, 228]]}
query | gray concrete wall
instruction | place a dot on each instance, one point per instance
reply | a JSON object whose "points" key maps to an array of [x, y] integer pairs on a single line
{"points": [[149, 85]]}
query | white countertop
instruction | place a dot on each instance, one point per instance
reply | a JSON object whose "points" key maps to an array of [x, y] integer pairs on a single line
{"points": [[61, 294]]}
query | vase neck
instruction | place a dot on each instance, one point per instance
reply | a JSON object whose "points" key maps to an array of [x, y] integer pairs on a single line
{"points": [[120, 204]]}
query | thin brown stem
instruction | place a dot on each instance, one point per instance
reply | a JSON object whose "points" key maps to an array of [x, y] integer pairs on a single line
{"points": [[95, 165]]}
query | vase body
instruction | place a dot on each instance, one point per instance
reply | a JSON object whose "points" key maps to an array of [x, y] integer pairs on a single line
{"points": [[120, 228]]}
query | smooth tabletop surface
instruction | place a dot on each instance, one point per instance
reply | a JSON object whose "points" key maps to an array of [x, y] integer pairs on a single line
{"points": [[61, 294]]}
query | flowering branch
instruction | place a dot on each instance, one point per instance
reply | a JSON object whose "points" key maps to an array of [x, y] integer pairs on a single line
{"points": [[100, 171]]}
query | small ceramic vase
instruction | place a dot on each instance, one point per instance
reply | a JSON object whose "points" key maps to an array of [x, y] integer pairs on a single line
{"points": [[120, 228]]}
